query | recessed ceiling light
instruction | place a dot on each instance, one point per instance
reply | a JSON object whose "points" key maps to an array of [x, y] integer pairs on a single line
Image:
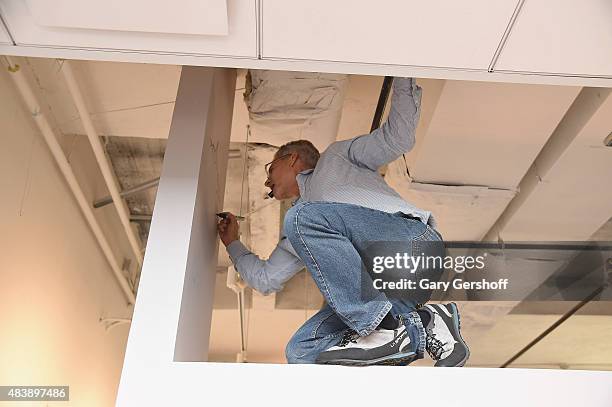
{"points": [[608, 140]]}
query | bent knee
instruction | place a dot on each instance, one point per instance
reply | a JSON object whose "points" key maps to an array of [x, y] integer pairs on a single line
{"points": [[301, 216], [294, 353]]}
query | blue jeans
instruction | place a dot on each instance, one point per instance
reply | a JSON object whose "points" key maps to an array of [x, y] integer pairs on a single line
{"points": [[329, 237]]}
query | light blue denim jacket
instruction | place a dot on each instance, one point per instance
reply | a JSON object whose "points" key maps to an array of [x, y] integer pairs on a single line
{"points": [[346, 172]]}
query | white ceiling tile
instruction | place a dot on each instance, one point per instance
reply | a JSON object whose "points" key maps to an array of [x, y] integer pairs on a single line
{"points": [[28, 28], [561, 36], [405, 32]]}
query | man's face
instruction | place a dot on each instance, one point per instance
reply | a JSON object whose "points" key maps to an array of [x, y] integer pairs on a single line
{"points": [[281, 176]]}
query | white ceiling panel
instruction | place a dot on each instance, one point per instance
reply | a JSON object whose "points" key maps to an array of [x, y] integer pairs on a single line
{"points": [[199, 17], [403, 32], [488, 133], [561, 36], [172, 27]]}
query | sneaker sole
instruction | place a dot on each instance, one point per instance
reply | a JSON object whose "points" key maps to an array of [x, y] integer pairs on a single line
{"points": [[398, 359], [457, 324]]}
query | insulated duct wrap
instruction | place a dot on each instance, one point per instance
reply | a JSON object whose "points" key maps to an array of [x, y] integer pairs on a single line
{"points": [[286, 106]]}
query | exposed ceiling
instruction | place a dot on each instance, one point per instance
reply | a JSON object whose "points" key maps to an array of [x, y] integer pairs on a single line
{"points": [[137, 160], [475, 143], [124, 100]]}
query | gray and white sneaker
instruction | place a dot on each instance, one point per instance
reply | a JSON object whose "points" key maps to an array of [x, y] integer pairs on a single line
{"points": [[444, 342], [381, 347]]}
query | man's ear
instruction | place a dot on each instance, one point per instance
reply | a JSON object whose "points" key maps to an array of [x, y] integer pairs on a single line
{"points": [[294, 159]]}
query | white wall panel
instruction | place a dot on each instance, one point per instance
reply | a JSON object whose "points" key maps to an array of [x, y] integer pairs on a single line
{"points": [[561, 36], [405, 32], [241, 40], [55, 282]]}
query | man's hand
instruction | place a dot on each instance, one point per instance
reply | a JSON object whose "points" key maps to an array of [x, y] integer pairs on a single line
{"points": [[228, 229]]}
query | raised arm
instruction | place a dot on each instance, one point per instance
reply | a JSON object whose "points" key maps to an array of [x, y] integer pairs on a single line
{"points": [[397, 135]]}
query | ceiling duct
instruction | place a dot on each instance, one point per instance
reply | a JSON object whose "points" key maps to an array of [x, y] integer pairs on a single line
{"points": [[286, 106]]}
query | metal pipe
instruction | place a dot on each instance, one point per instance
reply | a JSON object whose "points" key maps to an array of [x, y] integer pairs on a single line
{"points": [[383, 98], [58, 154], [105, 168], [140, 187], [146, 185], [243, 350], [382, 102]]}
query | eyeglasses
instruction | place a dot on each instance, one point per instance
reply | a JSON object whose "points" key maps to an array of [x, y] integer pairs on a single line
{"points": [[268, 165]]}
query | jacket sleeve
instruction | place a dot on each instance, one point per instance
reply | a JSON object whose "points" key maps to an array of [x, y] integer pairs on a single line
{"points": [[265, 276]]}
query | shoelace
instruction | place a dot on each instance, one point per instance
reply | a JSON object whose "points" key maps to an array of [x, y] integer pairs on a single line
{"points": [[434, 346], [348, 337]]}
